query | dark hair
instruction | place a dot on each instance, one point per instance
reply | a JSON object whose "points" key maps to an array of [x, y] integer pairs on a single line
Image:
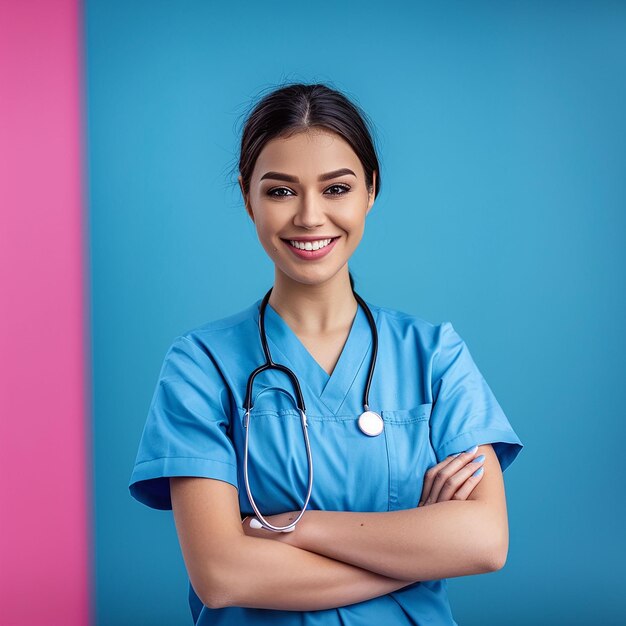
{"points": [[296, 107]]}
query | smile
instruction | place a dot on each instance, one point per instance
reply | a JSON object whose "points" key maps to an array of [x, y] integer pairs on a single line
{"points": [[310, 245], [311, 250]]}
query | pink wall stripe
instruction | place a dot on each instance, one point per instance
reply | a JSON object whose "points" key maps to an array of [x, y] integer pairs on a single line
{"points": [[45, 464]]}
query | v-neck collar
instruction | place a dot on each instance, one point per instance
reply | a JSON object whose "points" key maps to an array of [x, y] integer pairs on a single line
{"points": [[287, 349]]}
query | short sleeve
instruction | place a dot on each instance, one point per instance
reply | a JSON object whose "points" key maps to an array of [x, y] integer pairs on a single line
{"points": [[186, 430], [465, 411]]}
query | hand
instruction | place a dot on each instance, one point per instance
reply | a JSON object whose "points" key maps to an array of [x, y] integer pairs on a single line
{"points": [[452, 479]]}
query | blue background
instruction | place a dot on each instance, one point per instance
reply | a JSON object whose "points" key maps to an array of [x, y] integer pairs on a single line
{"points": [[502, 140]]}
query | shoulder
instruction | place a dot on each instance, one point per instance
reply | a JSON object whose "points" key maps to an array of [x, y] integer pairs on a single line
{"points": [[228, 328], [206, 343], [403, 322], [438, 342], [397, 316]]}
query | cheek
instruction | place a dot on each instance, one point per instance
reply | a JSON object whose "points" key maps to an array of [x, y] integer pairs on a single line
{"points": [[266, 225], [271, 217], [267, 234], [354, 225]]}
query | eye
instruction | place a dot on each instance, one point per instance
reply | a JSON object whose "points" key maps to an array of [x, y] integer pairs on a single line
{"points": [[346, 189], [278, 195], [340, 190]]}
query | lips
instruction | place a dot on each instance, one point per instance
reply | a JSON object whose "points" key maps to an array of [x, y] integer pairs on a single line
{"points": [[305, 239], [311, 255]]}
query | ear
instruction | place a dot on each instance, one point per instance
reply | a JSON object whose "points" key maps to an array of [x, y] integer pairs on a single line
{"points": [[245, 199], [371, 193]]}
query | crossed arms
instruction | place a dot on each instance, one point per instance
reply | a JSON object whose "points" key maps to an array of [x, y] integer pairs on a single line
{"points": [[334, 558]]}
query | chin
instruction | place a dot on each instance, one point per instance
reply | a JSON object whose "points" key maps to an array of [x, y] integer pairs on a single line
{"points": [[311, 278]]}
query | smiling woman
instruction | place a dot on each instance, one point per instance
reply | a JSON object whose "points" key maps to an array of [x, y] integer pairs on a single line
{"points": [[333, 205], [393, 510]]}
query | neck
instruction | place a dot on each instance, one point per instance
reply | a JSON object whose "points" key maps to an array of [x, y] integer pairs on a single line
{"points": [[314, 309]]}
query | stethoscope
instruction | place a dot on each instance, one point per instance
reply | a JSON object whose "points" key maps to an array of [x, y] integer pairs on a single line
{"points": [[370, 422]]}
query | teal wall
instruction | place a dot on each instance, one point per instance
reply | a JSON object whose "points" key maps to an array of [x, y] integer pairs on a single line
{"points": [[502, 139]]}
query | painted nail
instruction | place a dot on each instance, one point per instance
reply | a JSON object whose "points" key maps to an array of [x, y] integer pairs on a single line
{"points": [[479, 459], [472, 449], [478, 472]]}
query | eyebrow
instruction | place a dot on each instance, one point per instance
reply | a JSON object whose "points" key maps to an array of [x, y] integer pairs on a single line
{"points": [[294, 179]]}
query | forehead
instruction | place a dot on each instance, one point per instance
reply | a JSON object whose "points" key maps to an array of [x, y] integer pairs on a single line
{"points": [[315, 150]]}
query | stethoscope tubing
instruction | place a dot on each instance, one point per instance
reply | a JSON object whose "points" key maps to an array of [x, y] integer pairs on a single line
{"points": [[269, 364]]}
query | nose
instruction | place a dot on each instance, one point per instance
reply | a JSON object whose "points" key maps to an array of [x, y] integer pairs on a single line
{"points": [[310, 213]]}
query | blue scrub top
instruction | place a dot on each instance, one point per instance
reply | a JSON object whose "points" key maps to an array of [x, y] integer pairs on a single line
{"points": [[431, 395]]}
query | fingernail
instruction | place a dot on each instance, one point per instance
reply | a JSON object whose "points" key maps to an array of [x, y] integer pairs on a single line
{"points": [[472, 449], [254, 523], [478, 472], [479, 459]]}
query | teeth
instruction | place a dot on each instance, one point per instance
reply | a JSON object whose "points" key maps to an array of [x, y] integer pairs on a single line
{"points": [[310, 245]]}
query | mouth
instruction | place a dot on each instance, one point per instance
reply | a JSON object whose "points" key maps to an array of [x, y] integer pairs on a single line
{"points": [[311, 249]]}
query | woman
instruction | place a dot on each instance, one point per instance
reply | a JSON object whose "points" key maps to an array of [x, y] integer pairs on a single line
{"points": [[393, 512]]}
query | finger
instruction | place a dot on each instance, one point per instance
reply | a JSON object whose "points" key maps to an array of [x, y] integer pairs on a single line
{"points": [[459, 459], [447, 471], [453, 483], [468, 486], [429, 477]]}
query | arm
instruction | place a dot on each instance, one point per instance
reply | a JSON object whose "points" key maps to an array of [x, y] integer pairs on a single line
{"points": [[441, 540], [227, 568]]}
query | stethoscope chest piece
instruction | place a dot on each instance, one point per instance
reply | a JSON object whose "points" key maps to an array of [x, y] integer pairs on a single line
{"points": [[371, 423]]}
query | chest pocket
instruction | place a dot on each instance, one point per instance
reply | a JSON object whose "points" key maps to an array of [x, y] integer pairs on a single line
{"points": [[409, 452]]}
